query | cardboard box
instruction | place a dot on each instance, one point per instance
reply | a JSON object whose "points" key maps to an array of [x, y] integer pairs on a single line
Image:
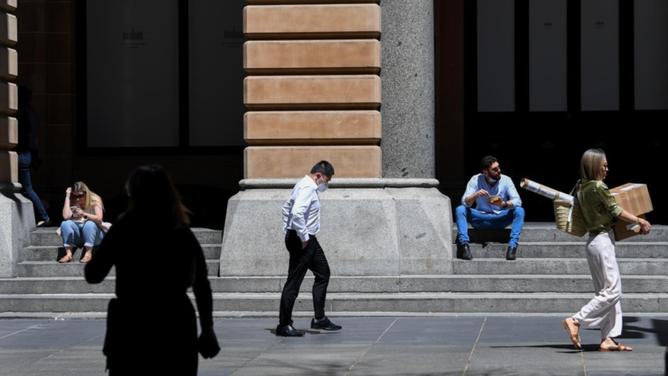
{"points": [[634, 198]]}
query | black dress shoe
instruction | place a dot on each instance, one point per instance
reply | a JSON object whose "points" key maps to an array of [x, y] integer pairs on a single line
{"points": [[324, 324], [511, 253], [288, 331], [464, 252]]}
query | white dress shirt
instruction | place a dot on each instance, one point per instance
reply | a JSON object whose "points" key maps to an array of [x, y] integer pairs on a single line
{"points": [[301, 212]]}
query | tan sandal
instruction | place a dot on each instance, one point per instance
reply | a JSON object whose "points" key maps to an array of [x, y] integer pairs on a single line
{"points": [[65, 259], [87, 257], [616, 347], [573, 329]]}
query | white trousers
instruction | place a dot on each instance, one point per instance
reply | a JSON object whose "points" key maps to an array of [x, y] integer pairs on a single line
{"points": [[604, 310]]}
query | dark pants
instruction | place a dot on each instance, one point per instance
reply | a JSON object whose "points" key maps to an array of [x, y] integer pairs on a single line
{"points": [[312, 257], [25, 160]]}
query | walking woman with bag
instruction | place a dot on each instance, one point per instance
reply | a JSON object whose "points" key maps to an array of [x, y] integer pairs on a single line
{"points": [[600, 211]]}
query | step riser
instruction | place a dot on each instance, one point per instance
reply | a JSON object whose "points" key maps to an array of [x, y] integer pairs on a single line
{"points": [[547, 234], [622, 250], [554, 267], [426, 305], [49, 237], [75, 269], [493, 285], [49, 253]]}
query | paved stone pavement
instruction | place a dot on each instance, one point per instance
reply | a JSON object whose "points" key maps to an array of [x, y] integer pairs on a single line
{"points": [[432, 345]]}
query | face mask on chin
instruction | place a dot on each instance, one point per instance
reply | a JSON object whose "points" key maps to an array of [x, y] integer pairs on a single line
{"points": [[322, 187]]}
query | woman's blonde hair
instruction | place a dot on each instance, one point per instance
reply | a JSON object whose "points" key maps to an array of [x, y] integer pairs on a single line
{"points": [[91, 198], [591, 165]]}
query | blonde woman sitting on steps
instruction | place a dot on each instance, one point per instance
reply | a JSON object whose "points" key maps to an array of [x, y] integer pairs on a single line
{"points": [[81, 227]]}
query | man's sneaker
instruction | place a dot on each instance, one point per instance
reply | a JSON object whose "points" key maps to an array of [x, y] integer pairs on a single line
{"points": [[324, 324]]}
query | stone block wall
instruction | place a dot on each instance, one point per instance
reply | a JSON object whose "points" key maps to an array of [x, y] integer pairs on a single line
{"points": [[8, 94], [313, 88]]}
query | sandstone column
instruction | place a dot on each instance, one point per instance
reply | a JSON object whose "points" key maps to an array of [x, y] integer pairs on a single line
{"points": [[313, 92], [16, 212]]}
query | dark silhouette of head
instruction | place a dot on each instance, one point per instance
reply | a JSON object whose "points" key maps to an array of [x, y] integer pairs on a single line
{"points": [[152, 193]]}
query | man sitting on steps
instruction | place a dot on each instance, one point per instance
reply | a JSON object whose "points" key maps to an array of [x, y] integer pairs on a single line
{"points": [[497, 205]]}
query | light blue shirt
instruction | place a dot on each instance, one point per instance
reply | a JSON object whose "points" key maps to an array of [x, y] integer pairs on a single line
{"points": [[504, 188]]}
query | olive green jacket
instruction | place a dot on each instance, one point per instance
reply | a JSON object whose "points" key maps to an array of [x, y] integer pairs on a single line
{"points": [[599, 208]]}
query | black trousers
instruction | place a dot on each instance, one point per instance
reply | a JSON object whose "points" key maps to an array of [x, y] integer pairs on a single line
{"points": [[310, 258]]}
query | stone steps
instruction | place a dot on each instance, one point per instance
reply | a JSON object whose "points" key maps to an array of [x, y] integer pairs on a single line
{"points": [[51, 252], [420, 302], [569, 250], [556, 266], [48, 236], [547, 232], [551, 275], [368, 284], [75, 269]]}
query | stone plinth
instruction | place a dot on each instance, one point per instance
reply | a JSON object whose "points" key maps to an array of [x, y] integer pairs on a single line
{"points": [[16, 222], [372, 231]]}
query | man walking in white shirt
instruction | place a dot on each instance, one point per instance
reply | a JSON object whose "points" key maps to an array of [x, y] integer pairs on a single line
{"points": [[301, 222]]}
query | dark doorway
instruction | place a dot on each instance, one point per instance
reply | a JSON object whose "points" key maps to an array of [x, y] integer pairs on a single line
{"points": [[545, 80]]}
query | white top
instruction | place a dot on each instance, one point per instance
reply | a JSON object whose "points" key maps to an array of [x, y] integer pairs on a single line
{"points": [[301, 212]]}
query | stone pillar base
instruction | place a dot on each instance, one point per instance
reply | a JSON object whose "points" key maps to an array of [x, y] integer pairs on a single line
{"points": [[17, 220], [387, 230]]}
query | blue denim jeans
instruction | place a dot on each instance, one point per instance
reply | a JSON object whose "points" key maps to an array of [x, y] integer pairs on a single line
{"points": [[76, 234], [488, 221], [25, 160]]}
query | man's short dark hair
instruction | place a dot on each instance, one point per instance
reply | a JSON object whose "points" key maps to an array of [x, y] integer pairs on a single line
{"points": [[487, 161], [324, 168]]}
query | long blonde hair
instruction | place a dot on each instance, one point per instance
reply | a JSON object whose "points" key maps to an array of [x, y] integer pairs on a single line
{"points": [[91, 198], [591, 165]]}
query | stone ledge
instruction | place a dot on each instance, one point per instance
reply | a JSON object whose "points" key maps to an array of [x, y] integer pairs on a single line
{"points": [[292, 161], [312, 21], [321, 92], [9, 98], [8, 29], [343, 183], [9, 167], [286, 2], [312, 127], [8, 5], [315, 56], [9, 63], [9, 133]]}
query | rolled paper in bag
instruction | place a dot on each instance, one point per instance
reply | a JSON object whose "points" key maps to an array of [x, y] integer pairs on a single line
{"points": [[545, 191]]}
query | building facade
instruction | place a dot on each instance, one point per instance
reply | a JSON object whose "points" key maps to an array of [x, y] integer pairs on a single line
{"points": [[238, 98]]}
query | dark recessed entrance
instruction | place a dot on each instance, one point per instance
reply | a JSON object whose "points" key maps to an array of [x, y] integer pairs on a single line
{"points": [[537, 82]]}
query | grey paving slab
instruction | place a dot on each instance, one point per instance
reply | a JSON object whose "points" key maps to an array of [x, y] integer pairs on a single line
{"points": [[448, 345]]}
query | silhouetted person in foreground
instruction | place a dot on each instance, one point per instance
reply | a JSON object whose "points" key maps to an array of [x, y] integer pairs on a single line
{"points": [[157, 258]]}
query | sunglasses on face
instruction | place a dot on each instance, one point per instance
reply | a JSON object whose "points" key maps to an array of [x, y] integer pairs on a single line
{"points": [[77, 195]]}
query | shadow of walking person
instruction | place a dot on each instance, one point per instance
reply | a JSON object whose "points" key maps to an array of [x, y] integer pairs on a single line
{"points": [[157, 258]]}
